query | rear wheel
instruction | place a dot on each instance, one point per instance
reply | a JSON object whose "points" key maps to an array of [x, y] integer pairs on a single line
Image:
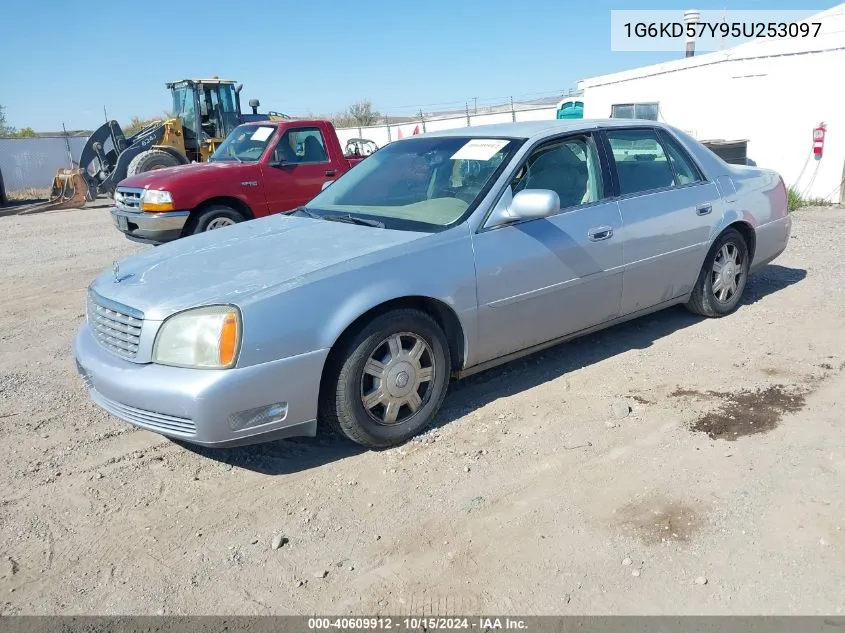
{"points": [[388, 381], [150, 160], [216, 216], [723, 277]]}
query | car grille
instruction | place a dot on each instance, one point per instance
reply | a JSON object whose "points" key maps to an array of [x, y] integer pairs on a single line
{"points": [[115, 326], [128, 198], [147, 419]]}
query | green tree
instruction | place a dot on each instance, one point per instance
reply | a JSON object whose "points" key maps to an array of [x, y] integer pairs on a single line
{"points": [[26, 132], [5, 128]]}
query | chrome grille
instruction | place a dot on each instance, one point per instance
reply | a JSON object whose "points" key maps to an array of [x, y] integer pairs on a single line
{"points": [[115, 326], [147, 419], [128, 198]]}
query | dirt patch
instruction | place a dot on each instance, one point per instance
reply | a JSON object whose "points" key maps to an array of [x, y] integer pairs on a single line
{"points": [[683, 392], [749, 412], [659, 519], [639, 399]]}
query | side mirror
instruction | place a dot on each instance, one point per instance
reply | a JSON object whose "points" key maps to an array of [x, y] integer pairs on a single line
{"points": [[531, 204], [528, 204], [326, 185]]}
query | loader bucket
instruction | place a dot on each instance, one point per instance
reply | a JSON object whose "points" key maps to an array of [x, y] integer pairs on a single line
{"points": [[69, 191]]}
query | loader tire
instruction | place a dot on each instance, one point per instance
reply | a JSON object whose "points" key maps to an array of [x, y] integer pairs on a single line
{"points": [[150, 160]]}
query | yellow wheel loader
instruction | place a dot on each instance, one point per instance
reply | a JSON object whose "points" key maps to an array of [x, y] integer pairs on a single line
{"points": [[204, 112]]}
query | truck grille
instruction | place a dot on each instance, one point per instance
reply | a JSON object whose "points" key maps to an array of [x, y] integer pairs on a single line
{"points": [[115, 326], [128, 198]]}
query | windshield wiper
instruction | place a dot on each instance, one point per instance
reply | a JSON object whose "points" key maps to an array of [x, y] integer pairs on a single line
{"points": [[307, 212], [351, 219]]}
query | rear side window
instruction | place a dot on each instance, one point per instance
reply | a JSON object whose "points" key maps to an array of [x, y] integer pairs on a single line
{"points": [[685, 171], [641, 163]]}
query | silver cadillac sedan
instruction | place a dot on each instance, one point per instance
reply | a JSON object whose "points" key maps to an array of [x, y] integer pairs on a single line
{"points": [[436, 257]]}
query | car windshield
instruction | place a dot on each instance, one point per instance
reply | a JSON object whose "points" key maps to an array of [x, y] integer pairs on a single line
{"points": [[434, 181], [245, 144]]}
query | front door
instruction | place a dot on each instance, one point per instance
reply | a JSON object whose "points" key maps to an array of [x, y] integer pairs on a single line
{"points": [[304, 167], [668, 211], [541, 279]]}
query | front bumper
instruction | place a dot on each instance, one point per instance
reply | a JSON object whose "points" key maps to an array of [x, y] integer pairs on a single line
{"points": [[151, 228], [195, 405]]}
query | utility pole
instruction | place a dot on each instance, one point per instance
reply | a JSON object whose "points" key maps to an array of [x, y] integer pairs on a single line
{"points": [[422, 119], [469, 123], [513, 112], [475, 104]]}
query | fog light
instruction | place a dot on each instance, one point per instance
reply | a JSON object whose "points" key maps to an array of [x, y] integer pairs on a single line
{"points": [[258, 416]]}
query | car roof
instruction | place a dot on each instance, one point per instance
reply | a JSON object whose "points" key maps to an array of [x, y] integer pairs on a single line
{"points": [[539, 129]]}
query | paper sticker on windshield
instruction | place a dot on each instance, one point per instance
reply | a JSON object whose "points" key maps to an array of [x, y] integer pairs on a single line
{"points": [[261, 134], [479, 149]]}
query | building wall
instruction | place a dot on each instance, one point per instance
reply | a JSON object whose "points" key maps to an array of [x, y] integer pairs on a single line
{"points": [[380, 135], [773, 102], [33, 162]]}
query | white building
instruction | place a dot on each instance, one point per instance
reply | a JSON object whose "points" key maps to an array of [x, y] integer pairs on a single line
{"points": [[772, 92]]}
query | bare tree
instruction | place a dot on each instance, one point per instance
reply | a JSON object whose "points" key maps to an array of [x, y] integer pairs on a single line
{"points": [[363, 114]]}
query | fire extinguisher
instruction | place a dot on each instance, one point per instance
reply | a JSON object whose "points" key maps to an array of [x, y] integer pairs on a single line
{"points": [[818, 140]]}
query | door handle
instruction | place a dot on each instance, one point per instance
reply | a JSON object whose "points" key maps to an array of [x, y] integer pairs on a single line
{"points": [[330, 172], [600, 233], [704, 209]]}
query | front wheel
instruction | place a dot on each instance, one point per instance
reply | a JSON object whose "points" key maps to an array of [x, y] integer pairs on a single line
{"points": [[723, 277], [388, 381], [216, 216]]}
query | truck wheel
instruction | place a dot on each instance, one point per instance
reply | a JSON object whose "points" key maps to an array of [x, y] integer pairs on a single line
{"points": [[386, 383], [216, 216], [150, 160]]}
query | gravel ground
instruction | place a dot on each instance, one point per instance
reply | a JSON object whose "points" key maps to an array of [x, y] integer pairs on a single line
{"points": [[669, 465]]}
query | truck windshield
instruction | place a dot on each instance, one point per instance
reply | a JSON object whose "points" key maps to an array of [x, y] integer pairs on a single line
{"points": [[184, 106], [423, 181], [245, 144]]}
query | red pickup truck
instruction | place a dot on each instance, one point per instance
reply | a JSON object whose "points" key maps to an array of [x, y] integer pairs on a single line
{"points": [[261, 168]]}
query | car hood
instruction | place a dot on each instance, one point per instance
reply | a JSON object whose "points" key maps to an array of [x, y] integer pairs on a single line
{"points": [[164, 178], [230, 264]]}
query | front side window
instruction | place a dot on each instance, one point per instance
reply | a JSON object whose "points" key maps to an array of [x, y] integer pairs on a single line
{"points": [[641, 163], [571, 168], [246, 144], [302, 145], [419, 183]]}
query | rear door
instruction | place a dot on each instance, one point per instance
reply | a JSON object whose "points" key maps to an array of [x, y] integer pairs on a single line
{"points": [[303, 166], [668, 213]]}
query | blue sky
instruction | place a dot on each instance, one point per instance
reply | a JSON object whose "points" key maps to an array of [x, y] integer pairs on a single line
{"points": [[308, 57]]}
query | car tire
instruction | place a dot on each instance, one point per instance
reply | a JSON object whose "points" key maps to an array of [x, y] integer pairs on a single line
{"points": [[714, 295], [150, 160], [411, 352], [216, 216]]}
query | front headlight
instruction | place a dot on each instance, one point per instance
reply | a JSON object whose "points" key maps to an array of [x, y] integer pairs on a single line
{"points": [[154, 200], [202, 338]]}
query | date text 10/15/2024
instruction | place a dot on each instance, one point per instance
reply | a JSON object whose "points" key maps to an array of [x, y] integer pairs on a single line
{"points": [[416, 623]]}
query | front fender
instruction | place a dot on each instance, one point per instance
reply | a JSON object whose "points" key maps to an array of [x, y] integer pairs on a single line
{"points": [[305, 315]]}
